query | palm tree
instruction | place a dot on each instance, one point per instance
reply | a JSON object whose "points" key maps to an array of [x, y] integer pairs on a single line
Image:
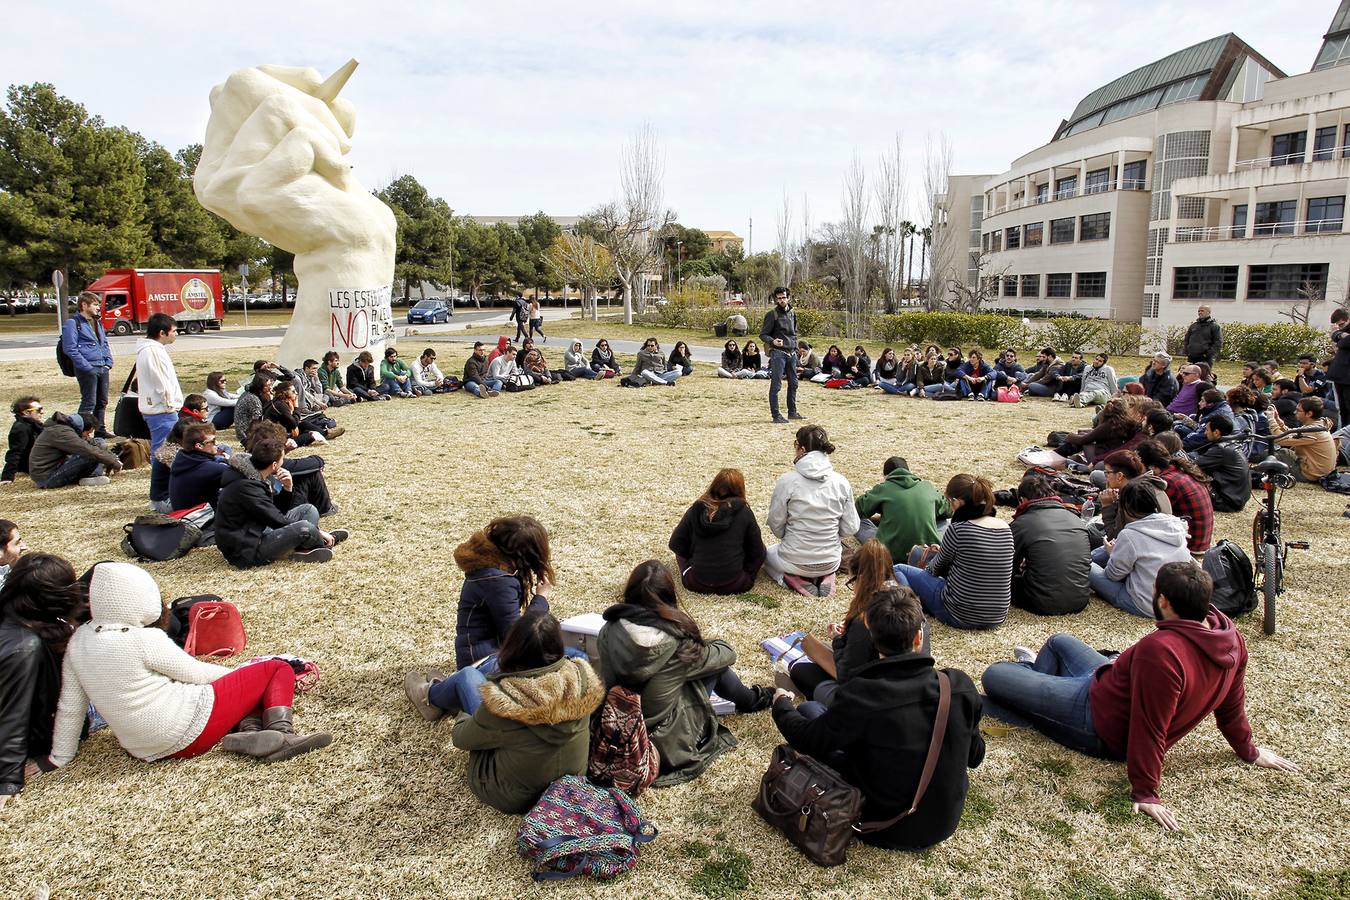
{"points": [[907, 232], [927, 235]]}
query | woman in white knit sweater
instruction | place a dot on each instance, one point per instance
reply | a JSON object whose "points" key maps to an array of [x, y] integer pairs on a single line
{"points": [[159, 701]]}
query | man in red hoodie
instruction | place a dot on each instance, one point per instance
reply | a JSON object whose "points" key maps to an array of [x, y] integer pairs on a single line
{"points": [[1136, 706]]}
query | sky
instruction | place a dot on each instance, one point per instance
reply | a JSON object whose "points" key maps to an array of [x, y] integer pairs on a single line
{"points": [[507, 108]]}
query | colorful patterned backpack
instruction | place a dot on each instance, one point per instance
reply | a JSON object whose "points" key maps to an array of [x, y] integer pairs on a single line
{"points": [[577, 828], [621, 753]]}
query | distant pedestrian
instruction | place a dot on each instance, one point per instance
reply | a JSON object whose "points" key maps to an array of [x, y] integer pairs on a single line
{"points": [[520, 314], [536, 320], [1204, 339]]}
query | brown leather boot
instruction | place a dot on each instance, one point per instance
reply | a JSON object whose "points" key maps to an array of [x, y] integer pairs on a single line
{"points": [[250, 739], [277, 720]]}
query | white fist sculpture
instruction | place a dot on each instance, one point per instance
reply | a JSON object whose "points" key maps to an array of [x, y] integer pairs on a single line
{"points": [[273, 166]]}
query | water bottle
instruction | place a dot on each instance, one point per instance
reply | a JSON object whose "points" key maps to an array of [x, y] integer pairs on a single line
{"points": [[1089, 510]]}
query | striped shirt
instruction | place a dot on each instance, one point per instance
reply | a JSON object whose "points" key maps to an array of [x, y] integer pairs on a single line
{"points": [[977, 563]]}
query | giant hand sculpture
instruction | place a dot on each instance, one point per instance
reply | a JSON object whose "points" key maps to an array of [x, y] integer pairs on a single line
{"points": [[272, 166]]}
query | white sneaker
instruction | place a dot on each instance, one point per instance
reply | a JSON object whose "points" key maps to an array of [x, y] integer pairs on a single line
{"points": [[320, 439], [1058, 398], [1076, 401], [1024, 654], [94, 481]]}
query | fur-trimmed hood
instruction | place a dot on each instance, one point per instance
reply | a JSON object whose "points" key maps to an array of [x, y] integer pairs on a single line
{"points": [[242, 464], [565, 691], [478, 552]]}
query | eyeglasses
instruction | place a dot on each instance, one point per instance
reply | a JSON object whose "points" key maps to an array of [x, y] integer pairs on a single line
{"points": [[33, 409], [208, 441]]}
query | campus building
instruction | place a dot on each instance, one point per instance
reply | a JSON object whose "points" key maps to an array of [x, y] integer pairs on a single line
{"points": [[726, 242], [1208, 176]]}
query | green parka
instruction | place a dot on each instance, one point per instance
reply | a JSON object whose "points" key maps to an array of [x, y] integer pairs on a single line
{"points": [[909, 507], [532, 729], [639, 651]]}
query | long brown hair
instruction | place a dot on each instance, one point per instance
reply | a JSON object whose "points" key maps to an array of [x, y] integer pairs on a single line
{"points": [[651, 587], [44, 595], [727, 485], [975, 493], [871, 568], [524, 543]]}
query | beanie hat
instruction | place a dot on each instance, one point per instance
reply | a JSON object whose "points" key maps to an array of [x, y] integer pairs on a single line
{"points": [[76, 422]]}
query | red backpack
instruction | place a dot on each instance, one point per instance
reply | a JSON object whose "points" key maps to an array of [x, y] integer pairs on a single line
{"points": [[621, 753]]}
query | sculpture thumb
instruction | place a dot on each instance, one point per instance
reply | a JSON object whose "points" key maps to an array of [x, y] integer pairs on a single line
{"points": [[328, 91]]}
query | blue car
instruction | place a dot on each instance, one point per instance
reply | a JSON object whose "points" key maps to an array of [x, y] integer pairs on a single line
{"points": [[429, 312]]}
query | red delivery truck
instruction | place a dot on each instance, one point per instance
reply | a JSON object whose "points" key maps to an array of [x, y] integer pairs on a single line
{"points": [[131, 296]]}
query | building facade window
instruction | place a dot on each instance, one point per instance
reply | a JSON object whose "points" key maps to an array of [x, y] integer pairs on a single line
{"points": [[1043, 190], [1031, 285], [1059, 284], [1324, 142], [1033, 234], [1276, 217], [1205, 283], [1061, 231], [1012, 237], [1066, 187], [995, 241], [1325, 214], [1286, 282], [1091, 284], [1010, 286], [1132, 176], [1240, 216], [1098, 181], [1288, 149], [1096, 227]]}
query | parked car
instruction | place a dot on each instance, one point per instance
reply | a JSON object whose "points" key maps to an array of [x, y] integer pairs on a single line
{"points": [[429, 312]]}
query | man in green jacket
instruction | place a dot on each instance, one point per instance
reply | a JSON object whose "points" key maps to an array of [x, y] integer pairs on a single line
{"points": [[902, 512]]}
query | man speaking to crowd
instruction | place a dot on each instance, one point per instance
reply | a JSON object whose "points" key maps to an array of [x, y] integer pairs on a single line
{"points": [[779, 333]]}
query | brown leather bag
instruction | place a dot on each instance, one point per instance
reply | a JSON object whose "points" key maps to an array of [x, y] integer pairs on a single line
{"points": [[817, 810]]}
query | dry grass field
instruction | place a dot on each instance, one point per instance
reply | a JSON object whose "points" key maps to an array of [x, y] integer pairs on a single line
{"points": [[384, 812]]}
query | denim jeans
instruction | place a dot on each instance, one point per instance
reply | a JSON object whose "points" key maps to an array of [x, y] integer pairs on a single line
{"points": [[93, 396], [1117, 593], [391, 385], [224, 417], [782, 365], [867, 529], [71, 470], [583, 372], [475, 388], [1052, 692], [462, 691], [302, 534], [930, 590], [160, 426], [1036, 389], [663, 378], [984, 389], [939, 387]]}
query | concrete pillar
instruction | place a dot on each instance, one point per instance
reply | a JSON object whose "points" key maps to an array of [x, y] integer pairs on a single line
{"points": [[1120, 170], [1027, 197], [1251, 212], [1312, 136], [1082, 177], [1300, 214], [1233, 149], [1345, 219]]}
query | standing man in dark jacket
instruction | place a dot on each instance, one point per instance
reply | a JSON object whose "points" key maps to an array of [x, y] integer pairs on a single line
{"points": [[1204, 339], [22, 435], [67, 452], [1052, 549], [1338, 373], [1158, 380], [779, 334], [878, 727], [1230, 478], [85, 342], [250, 530]]}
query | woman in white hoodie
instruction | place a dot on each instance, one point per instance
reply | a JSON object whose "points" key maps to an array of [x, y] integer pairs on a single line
{"points": [[159, 701], [574, 361], [1124, 570], [811, 511]]}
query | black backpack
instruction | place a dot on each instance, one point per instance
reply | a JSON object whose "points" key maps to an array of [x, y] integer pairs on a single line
{"points": [[159, 537], [63, 359], [1234, 581]]}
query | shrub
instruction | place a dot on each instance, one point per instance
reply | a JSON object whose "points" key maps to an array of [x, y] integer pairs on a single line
{"points": [[1282, 342], [1071, 335], [1171, 338], [1122, 338], [951, 329]]}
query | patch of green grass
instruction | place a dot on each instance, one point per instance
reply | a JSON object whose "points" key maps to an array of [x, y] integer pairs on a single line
{"points": [[1311, 885], [940, 887], [1060, 768], [704, 816], [696, 849], [725, 876], [1089, 886], [762, 600], [1115, 805], [1077, 802], [1058, 829], [979, 809]]}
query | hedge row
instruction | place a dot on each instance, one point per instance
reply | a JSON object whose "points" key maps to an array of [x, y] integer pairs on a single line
{"points": [[703, 318]]}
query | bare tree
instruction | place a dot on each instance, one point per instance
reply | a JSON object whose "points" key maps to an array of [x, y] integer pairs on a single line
{"points": [[1310, 295], [783, 221], [630, 227], [853, 237], [581, 260], [804, 262], [943, 246], [891, 200], [963, 297]]}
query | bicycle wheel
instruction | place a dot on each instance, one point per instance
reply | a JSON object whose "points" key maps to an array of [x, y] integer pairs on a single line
{"points": [[1270, 584]]}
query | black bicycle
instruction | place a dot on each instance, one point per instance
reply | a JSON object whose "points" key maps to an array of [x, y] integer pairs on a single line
{"points": [[1269, 549]]}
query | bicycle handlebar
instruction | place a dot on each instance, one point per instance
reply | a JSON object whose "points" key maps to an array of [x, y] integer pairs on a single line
{"points": [[1270, 439]]}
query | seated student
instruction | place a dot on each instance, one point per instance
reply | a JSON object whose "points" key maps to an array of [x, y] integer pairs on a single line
{"points": [[310, 394], [248, 409], [1098, 384], [1230, 478], [931, 373], [22, 435], [951, 373], [1123, 570], [752, 361], [907, 373], [1248, 370], [832, 366], [503, 347], [902, 511], [681, 359], [11, 548], [1117, 428], [732, 362], [1157, 421], [198, 469], [1192, 432], [886, 376], [968, 582], [859, 370], [395, 376], [1136, 706], [1158, 381], [304, 431], [1247, 419], [1187, 400], [1008, 371], [427, 377], [504, 370], [1310, 457], [650, 645], [1284, 396], [808, 364], [1262, 383], [535, 366], [529, 723], [1069, 379], [331, 381], [1052, 546], [717, 544], [362, 380], [1272, 368], [251, 531], [1043, 378], [477, 380], [574, 362], [976, 378], [220, 400], [67, 452], [525, 347], [812, 509], [159, 702], [306, 482], [603, 362], [1187, 488], [877, 731], [1121, 468], [1312, 381], [41, 603], [651, 365]]}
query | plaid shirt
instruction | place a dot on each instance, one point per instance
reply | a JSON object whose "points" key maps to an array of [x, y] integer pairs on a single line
{"points": [[1191, 501]]}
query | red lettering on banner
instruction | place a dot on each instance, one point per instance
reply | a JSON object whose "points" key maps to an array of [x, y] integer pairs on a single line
{"points": [[357, 333]]}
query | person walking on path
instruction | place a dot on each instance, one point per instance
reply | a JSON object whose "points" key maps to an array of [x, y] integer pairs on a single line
{"points": [[85, 342], [779, 332], [1204, 338]]}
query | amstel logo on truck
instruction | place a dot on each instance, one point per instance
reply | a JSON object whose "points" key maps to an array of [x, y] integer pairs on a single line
{"points": [[196, 295]]}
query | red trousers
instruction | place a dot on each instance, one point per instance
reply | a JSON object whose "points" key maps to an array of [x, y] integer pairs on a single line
{"points": [[246, 691]]}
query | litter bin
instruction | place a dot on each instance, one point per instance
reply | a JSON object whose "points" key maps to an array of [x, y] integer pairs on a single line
{"points": [[720, 329]]}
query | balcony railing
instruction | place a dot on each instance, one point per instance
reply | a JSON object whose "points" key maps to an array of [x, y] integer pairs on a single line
{"points": [[1291, 159], [1129, 184], [1271, 229]]}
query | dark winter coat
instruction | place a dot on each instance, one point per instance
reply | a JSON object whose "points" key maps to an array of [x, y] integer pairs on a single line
{"points": [[644, 653], [58, 441], [195, 478], [1339, 370], [780, 324], [603, 360], [366, 379], [1161, 386], [489, 601], [1051, 558], [719, 550], [876, 734], [1204, 338], [532, 729], [30, 685], [244, 509], [1230, 478], [475, 370], [22, 435]]}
